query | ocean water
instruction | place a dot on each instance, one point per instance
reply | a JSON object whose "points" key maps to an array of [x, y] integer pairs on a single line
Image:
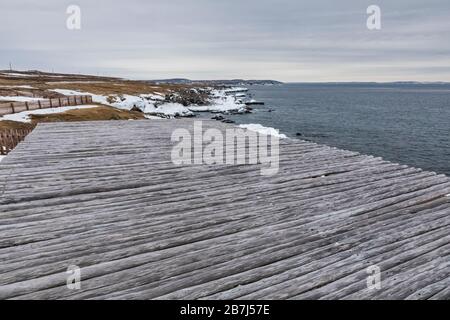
{"points": [[404, 123]]}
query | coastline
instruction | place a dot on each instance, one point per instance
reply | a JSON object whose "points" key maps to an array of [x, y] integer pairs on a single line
{"points": [[114, 99], [154, 99]]}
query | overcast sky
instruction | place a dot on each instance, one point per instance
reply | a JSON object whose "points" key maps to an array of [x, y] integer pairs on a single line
{"points": [[288, 40]]}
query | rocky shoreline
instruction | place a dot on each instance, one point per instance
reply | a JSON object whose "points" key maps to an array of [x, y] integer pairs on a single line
{"points": [[216, 100], [152, 100]]}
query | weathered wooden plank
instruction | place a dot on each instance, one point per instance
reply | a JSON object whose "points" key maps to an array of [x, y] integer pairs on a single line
{"points": [[106, 197]]}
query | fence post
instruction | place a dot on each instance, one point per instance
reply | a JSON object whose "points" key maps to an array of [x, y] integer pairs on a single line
{"points": [[8, 141], [10, 138], [12, 107], [14, 136], [26, 105], [50, 103], [39, 104], [1, 144]]}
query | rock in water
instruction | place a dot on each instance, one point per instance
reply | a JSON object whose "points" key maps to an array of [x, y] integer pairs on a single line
{"points": [[218, 118], [227, 121]]}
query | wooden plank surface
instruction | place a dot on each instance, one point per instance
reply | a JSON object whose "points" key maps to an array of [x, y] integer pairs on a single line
{"points": [[105, 196]]}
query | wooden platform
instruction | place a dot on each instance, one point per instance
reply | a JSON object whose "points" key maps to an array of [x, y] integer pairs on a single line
{"points": [[105, 196]]}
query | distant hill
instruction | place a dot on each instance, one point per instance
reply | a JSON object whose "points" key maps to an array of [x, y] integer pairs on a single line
{"points": [[232, 82], [36, 74]]}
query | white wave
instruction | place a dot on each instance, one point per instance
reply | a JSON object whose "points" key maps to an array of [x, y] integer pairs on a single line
{"points": [[263, 130]]}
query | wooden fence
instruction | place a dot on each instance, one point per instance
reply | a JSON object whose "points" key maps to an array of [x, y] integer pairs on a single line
{"points": [[14, 107], [10, 138]]}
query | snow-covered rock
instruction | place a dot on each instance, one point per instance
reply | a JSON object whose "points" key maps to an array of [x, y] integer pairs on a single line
{"points": [[153, 104], [221, 102]]}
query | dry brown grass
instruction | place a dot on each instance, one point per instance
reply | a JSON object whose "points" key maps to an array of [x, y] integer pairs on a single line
{"points": [[8, 124], [97, 85], [88, 114]]}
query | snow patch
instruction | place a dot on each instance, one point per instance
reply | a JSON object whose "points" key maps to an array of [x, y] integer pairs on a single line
{"points": [[25, 115], [69, 82], [19, 98], [18, 86], [18, 74], [148, 116], [1, 158], [14, 74], [148, 103], [263, 130], [170, 109], [153, 96], [95, 97], [235, 90]]}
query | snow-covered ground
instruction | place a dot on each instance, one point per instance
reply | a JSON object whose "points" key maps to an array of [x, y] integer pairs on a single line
{"points": [[95, 98], [18, 98], [1, 158], [25, 115], [169, 109], [18, 86], [149, 103], [263, 130], [153, 103], [12, 74]]}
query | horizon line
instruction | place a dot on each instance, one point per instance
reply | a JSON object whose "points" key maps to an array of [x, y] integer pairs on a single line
{"points": [[233, 78]]}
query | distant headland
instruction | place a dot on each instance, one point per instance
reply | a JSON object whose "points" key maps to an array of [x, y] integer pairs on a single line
{"points": [[232, 82]]}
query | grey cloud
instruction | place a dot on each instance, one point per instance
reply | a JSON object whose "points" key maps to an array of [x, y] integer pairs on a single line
{"points": [[291, 40]]}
